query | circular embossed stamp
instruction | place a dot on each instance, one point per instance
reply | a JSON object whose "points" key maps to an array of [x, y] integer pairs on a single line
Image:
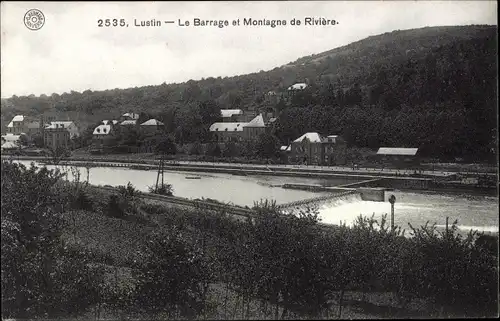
{"points": [[34, 19]]}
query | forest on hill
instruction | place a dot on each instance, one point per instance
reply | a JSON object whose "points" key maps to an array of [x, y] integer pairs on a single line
{"points": [[434, 88]]}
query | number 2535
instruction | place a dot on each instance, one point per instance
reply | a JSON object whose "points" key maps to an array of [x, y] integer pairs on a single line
{"points": [[111, 22]]}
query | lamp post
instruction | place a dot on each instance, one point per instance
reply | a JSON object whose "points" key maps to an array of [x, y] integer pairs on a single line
{"points": [[392, 200]]}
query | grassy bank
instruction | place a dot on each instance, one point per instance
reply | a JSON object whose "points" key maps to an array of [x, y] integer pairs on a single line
{"points": [[141, 259]]}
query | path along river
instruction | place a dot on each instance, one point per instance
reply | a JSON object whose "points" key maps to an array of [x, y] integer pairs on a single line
{"points": [[472, 212]]}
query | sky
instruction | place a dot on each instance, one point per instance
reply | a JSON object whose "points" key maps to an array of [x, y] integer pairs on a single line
{"points": [[70, 52]]}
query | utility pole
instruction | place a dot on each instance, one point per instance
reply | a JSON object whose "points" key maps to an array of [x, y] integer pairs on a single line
{"points": [[392, 200], [161, 169]]}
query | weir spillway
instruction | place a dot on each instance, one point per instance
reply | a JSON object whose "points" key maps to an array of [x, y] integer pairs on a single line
{"points": [[317, 199], [366, 193]]}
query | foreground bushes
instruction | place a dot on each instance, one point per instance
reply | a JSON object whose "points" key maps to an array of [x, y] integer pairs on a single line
{"points": [[300, 268], [40, 276], [172, 277]]}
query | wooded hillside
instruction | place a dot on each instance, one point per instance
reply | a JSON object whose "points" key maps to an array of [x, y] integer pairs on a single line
{"points": [[433, 88]]}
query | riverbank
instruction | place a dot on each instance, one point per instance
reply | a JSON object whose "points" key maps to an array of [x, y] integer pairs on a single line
{"points": [[434, 170], [389, 179], [426, 165]]}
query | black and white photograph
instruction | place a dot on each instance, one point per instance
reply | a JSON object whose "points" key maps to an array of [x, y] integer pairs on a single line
{"points": [[249, 160]]}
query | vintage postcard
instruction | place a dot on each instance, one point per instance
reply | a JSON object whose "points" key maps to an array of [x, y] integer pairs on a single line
{"points": [[249, 159]]}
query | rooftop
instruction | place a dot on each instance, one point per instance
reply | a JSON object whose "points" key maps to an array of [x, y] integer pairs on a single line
{"points": [[298, 86], [133, 116], [102, 130], [9, 145], [16, 118], [58, 124], [238, 127], [226, 113], [234, 127], [10, 137], [108, 122], [256, 122], [313, 137], [64, 122], [128, 122], [397, 151], [152, 122]]}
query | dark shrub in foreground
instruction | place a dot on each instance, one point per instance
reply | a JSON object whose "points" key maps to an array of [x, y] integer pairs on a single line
{"points": [[172, 277], [40, 277]]}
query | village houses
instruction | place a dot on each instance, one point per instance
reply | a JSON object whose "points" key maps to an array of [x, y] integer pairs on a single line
{"points": [[54, 133]]}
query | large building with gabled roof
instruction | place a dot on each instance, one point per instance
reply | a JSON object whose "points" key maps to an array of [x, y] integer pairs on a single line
{"points": [[238, 131], [313, 148]]}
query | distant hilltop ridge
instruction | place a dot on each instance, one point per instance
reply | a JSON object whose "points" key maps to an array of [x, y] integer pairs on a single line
{"points": [[356, 63]]}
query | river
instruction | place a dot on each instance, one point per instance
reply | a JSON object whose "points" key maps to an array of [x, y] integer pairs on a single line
{"points": [[472, 212]]}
